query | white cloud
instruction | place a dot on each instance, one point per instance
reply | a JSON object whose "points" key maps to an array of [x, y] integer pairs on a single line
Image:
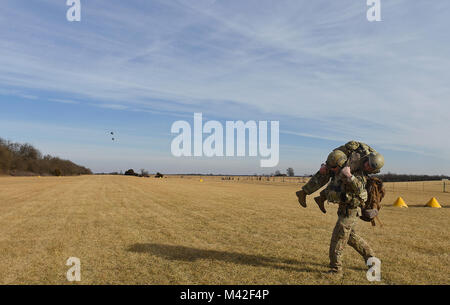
{"points": [[63, 101]]}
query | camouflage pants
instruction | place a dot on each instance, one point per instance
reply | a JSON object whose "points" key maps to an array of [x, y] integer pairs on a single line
{"points": [[316, 182], [344, 233]]}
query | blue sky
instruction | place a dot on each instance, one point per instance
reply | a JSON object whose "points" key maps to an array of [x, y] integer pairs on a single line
{"points": [[319, 67]]}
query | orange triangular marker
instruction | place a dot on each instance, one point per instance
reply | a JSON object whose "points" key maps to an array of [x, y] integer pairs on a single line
{"points": [[400, 203], [433, 203]]}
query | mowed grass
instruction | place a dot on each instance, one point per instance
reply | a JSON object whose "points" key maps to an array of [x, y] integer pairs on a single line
{"points": [[129, 230]]}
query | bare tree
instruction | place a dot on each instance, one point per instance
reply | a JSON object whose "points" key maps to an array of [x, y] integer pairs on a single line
{"points": [[23, 159], [290, 172]]}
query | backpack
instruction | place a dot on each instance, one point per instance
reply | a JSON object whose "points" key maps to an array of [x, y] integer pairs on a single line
{"points": [[375, 194]]}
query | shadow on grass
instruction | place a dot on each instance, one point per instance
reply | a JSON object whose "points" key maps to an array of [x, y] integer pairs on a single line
{"points": [[182, 253], [425, 207], [417, 206]]}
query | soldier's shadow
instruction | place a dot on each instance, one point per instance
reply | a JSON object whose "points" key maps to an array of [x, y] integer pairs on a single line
{"points": [[182, 253], [425, 207]]}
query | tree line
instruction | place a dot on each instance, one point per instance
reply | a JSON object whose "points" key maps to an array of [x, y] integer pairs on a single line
{"points": [[24, 160], [390, 177]]}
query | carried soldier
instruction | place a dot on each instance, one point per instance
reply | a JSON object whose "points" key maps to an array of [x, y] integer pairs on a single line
{"points": [[359, 156]]}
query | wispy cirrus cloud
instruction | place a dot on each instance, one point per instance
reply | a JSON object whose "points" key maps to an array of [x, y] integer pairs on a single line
{"points": [[63, 101]]}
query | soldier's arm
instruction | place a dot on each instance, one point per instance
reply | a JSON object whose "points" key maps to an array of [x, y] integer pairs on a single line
{"points": [[358, 184], [355, 182]]}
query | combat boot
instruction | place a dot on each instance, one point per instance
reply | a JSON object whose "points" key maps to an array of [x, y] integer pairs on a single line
{"points": [[320, 200], [334, 274], [301, 195]]}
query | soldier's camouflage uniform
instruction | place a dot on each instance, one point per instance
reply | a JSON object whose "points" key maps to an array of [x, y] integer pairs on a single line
{"points": [[349, 194], [354, 151]]}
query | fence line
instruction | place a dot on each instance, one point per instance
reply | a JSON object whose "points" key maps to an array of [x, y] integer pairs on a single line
{"points": [[424, 186]]}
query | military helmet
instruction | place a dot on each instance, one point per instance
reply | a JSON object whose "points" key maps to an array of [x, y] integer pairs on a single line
{"points": [[336, 158], [376, 161]]}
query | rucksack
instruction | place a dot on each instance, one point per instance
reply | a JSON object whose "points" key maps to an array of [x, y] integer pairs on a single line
{"points": [[375, 194]]}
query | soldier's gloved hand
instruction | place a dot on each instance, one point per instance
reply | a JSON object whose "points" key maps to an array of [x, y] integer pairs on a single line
{"points": [[346, 172], [323, 169]]}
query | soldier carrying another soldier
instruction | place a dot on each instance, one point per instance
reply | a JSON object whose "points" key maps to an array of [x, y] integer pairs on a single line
{"points": [[348, 167]]}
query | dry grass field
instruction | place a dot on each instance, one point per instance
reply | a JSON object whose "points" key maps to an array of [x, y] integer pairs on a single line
{"points": [[129, 230]]}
